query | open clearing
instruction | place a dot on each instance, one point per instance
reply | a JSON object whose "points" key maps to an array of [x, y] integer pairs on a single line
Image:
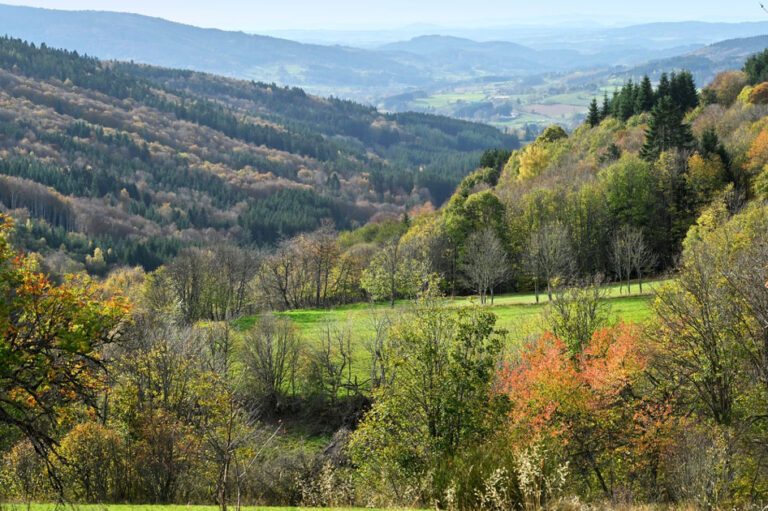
{"points": [[519, 314]]}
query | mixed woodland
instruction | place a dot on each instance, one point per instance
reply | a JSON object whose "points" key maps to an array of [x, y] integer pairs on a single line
{"points": [[156, 223]]}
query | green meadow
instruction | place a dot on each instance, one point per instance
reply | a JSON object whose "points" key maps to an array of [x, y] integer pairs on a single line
{"points": [[519, 314]]}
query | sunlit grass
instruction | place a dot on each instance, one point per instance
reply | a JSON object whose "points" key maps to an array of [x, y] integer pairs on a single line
{"points": [[519, 314]]}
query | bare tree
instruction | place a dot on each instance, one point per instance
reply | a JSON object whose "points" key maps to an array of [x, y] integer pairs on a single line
{"points": [[323, 251], [550, 256], [233, 270], [330, 363], [377, 346], [643, 258], [396, 268], [270, 354], [391, 259], [283, 275], [631, 255], [485, 262], [213, 284], [622, 258]]}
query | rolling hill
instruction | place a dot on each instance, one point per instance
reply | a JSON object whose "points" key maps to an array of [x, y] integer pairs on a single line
{"points": [[428, 62], [139, 161], [705, 63]]}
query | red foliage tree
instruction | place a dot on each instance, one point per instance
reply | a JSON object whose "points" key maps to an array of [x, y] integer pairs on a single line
{"points": [[590, 407]]}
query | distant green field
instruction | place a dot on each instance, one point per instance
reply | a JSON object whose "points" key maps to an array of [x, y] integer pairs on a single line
{"points": [[442, 100], [519, 314]]}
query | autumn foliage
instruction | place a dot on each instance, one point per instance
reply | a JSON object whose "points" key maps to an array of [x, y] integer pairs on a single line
{"points": [[50, 336], [590, 407], [759, 95]]}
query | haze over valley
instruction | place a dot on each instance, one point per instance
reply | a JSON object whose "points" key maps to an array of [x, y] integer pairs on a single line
{"points": [[341, 255], [514, 77]]}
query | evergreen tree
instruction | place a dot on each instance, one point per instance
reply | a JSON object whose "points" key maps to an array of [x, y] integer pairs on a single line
{"points": [[627, 101], [710, 144], [756, 68], [666, 130], [593, 117], [615, 110], [683, 90], [606, 110], [664, 88], [645, 99]]}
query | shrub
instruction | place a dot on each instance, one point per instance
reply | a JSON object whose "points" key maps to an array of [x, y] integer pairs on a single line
{"points": [[759, 95]]}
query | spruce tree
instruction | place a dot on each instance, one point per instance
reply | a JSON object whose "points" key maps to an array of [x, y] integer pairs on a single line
{"points": [[756, 68], [710, 144], [606, 110], [615, 105], [663, 89], [666, 130], [684, 91], [593, 117], [645, 99], [627, 101]]}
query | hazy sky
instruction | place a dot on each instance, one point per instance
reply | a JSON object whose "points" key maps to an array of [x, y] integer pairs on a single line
{"points": [[350, 14]]}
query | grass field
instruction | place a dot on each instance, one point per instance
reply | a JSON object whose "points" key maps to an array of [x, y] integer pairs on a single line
{"points": [[519, 314]]}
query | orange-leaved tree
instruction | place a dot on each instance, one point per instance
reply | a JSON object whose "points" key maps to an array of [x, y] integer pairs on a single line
{"points": [[589, 406], [50, 336]]}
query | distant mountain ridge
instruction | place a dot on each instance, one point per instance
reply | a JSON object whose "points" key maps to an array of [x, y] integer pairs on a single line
{"points": [[120, 36], [705, 63], [430, 62]]}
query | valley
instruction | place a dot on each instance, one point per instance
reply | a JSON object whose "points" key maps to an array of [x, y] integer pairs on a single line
{"points": [[507, 267]]}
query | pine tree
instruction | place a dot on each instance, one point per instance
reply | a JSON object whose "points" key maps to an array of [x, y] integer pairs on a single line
{"points": [[606, 110], [710, 144], [663, 89], [666, 130], [645, 99], [627, 101], [683, 91], [593, 117]]}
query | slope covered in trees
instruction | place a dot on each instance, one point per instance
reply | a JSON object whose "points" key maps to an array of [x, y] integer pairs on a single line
{"points": [[139, 161], [168, 401]]}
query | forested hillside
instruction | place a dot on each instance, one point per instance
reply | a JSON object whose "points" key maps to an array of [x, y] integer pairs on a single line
{"points": [[201, 381], [138, 162]]}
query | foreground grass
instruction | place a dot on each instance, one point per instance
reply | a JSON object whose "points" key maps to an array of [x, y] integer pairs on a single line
{"points": [[153, 507], [519, 314]]}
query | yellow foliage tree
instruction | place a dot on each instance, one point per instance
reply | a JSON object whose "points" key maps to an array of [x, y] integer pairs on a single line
{"points": [[705, 175], [758, 151], [533, 161]]}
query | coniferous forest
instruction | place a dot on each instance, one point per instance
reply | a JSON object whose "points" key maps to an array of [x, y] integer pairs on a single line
{"points": [[234, 293]]}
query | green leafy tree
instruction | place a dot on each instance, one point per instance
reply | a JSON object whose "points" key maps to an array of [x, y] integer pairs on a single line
{"points": [[664, 89], [394, 272], [438, 402]]}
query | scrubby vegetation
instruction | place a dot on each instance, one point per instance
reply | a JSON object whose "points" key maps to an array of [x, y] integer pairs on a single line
{"points": [[189, 380]]}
